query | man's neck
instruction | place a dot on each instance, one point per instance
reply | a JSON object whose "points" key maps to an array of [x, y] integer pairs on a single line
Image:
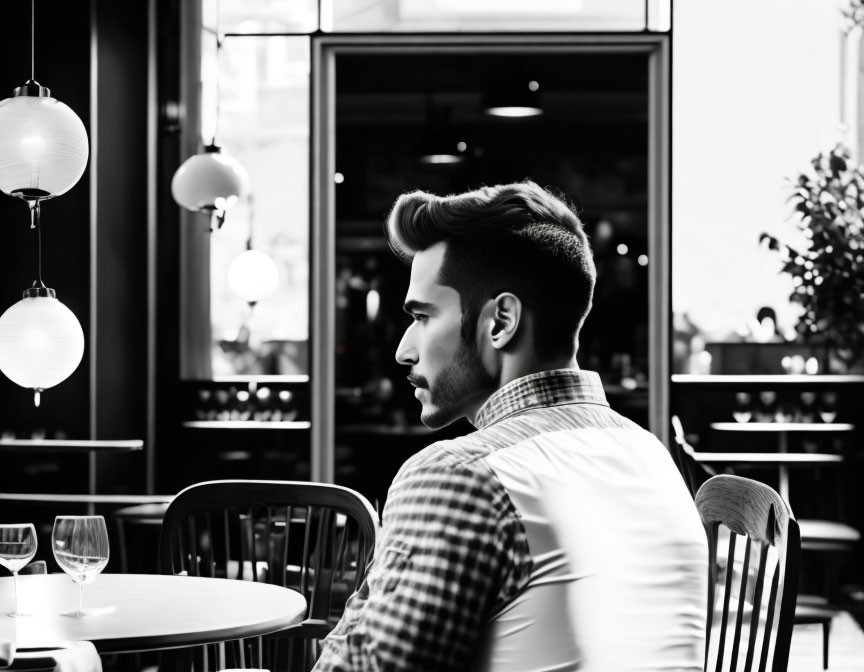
{"points": [[518, 366]]}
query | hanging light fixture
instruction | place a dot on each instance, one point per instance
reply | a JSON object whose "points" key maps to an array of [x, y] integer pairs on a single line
{"points": [[253, 275], [513, 97], [439, 144], [210, 181], [43, 153], [41, 340], [43, 143]]}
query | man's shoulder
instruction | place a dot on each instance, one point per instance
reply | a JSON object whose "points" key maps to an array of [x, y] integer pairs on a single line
{"points": [[463, 454]]}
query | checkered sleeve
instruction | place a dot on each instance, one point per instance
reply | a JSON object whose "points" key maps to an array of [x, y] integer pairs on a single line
{"points": [[452, 552]]}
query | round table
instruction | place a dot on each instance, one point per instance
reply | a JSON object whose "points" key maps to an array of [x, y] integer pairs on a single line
{"points": [[150, 611]]}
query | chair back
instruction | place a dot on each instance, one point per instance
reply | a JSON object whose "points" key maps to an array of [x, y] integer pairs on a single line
{"points": [[314, 538], [693, 473], [751, 599]]}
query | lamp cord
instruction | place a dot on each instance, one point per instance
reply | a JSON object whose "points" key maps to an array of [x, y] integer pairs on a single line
{"points": [[218, 85], [35, 212], [33, 40], [218, 72]]}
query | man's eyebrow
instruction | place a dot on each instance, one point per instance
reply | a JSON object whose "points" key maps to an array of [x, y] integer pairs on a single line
{"points": [[412, 306]]}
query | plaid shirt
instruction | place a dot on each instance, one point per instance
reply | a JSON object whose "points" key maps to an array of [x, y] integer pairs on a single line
{"points": [[453, 551]]}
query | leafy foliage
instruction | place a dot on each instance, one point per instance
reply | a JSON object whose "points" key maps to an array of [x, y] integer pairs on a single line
{"points": [[854, 14], [829, 274]]}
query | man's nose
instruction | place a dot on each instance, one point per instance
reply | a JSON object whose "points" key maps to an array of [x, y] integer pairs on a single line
{"points": [[406, 353]]}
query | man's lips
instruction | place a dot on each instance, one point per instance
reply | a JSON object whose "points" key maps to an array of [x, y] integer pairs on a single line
{"points": [[416, 382]]}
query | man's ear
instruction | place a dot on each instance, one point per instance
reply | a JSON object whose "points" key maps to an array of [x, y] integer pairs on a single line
{"points": [[506, 318]]}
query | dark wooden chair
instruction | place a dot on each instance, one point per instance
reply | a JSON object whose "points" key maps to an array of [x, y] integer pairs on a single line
{"points": [[314, 538], [751, 599], [684, 456]]}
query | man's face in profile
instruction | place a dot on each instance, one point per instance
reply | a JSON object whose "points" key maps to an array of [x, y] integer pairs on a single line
{"points": [[448, 375]]}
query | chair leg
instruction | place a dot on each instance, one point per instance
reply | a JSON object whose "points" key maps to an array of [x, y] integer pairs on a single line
{"points": [[826, 632]]}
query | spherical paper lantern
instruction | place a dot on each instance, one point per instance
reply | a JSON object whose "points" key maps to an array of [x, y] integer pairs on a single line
{"points": [[43, 144], [210, 182], [253, 275], [41, 341]]}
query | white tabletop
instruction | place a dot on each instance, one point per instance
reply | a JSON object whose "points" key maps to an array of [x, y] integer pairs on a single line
{"points": [[782, 426], [150, 611]]}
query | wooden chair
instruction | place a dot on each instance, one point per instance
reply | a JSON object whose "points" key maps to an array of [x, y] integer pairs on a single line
{"points": [[752, 616], [684, 456], [816, 535], [311, 537]]}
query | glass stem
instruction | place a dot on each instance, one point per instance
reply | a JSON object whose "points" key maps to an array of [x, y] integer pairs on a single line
{"points": [[15, 583], [80, 598]]}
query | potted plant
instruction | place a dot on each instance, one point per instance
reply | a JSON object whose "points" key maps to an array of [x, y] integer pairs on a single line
{"points": [[827, 270]]}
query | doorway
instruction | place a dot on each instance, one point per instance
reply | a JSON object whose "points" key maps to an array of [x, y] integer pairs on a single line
{"points": [[598, 138]]}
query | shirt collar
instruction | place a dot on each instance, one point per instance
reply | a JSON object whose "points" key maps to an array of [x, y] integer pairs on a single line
{"points": [[539, 390]]}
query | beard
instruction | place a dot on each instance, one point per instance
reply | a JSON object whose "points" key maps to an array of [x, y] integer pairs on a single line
{"points": [[460, 382]]}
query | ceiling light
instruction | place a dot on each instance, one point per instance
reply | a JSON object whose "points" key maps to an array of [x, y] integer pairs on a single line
{"points": [[43, 153], [513, 98], [439, 144], [210, 182], [253, 276]]}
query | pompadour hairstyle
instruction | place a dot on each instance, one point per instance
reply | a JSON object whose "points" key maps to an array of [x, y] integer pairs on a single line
{"points": [[515, 238]]}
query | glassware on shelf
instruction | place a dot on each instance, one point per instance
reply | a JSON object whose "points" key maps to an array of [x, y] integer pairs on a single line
{"points": [[80, 545], [828, 407], [785, 413], [17, 548], [807, 410], [743, 409], [766, 410]]}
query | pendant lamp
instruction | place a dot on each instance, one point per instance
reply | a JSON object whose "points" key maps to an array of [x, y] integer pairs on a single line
{"points": [[211, 181], [43, 143], [43, 153], [253, 276], [439, 143], [41, 340], [513, 97]]}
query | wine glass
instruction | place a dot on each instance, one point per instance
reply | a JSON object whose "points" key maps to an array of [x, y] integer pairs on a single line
{"points": [[742, 411], [80, 545], [17, 548], [828, 406]]}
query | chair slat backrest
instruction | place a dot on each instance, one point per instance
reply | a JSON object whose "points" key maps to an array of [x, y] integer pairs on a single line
{"points": [[693, 473], [314, 538], [745, 618]]}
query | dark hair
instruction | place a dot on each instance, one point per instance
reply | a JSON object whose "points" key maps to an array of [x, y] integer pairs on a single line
{"points": [[515, 238]]}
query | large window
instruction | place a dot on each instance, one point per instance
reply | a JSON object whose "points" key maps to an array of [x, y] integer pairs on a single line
{"points": [[757, 94]]}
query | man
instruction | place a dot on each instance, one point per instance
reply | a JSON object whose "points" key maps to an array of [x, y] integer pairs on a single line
{"points": [[559, 535]]}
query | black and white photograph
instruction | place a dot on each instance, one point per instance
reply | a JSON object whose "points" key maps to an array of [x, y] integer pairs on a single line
{"points": [[432, 336]]}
